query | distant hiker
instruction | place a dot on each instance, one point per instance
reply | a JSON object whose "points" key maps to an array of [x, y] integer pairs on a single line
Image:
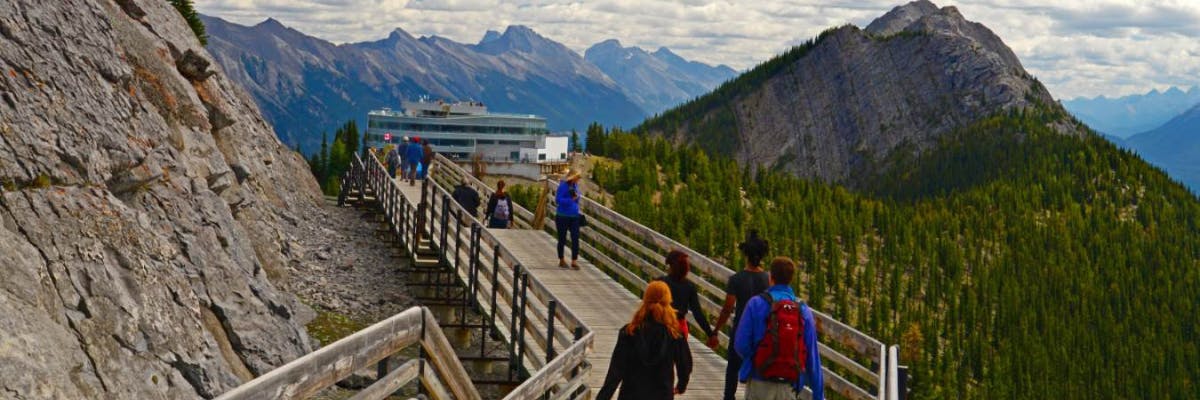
{"points": [[500, 209], [393, 162], [778, 340], [567, 218], [741, 287], [426, 158], [684, 293], [413, 155], [467, 197], [648, 350], [402, 149]]}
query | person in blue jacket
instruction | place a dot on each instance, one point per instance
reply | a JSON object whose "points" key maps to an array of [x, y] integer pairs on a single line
{"points": [[752, 328], [413, 155], [567, 218]]}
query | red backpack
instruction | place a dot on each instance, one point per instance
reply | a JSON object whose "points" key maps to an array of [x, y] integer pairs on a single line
{"points": [[781, 353]]}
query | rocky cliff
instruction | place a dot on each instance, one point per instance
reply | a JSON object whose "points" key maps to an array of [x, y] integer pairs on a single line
{"points": [[145, 210], [842, 103]]}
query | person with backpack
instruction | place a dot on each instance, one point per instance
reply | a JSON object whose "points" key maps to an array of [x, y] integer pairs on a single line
{"points": [[648, 350], [684, 293], [402, 153], [393, 162], [740, 288], [426, 158], [567, 218], [467, 197], [499, 208], [413, 154], [777, 337]]}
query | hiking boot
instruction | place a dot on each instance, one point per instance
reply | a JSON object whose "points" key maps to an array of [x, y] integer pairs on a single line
{"points": [[562, 263], [574, 265]]}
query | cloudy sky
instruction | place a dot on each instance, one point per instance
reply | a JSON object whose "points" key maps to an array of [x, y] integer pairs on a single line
{"points": [[1076, 47]]}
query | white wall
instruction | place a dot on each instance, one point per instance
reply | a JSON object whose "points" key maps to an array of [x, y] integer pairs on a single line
{"points": [[555, 148]]}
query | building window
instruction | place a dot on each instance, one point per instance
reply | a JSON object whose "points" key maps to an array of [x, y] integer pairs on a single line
{"points": [[542, 157], [562, 156]]}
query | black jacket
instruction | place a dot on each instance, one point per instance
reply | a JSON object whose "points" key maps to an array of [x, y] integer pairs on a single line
{"points": [[684, 297], [491, 206], [467, 197], [642, 364]]}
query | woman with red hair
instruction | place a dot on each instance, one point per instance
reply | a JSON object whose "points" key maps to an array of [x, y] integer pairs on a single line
{"points": [[647, 351]]}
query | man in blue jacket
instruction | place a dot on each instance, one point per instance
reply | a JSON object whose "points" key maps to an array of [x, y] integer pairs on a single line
{"points": [[413, 155], [752, 329]]}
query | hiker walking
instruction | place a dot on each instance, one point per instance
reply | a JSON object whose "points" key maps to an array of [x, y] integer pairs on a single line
{"points": [[426, 158], [648, 350], [402, 152], [413, 154], [777, 338], [467, 197], [393, 162], [740, 288], [567, 218], [684, 293], [500, 208]]}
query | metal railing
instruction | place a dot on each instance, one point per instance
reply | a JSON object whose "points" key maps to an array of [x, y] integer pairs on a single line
{"points": [[519, 308], [855, 365]]}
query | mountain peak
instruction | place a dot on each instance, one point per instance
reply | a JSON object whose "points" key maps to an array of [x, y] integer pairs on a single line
{"points": [[519, 38], [488, 36], [270, 23], [901, 17], [1174, 90]]}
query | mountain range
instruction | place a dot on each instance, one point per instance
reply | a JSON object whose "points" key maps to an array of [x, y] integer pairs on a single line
{"points": [[1174, 146], [305, 85], [659, 80], [1126, 116]]}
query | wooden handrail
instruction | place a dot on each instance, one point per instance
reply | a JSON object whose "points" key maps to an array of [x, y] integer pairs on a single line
{"points": [[320, 369]]}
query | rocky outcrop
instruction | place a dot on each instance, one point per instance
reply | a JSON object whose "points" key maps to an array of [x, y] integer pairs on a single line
{"points": [[855, 96], [145, 210]]}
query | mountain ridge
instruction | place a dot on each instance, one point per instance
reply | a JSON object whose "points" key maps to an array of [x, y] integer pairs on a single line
{"points": [[315, 83], [839, 104], [1129, 115], [1174, 146]]}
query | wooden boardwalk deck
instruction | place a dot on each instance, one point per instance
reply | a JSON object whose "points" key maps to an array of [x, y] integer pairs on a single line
{"points": [[602, 303]]}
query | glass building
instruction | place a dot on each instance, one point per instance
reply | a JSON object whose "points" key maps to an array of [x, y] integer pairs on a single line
{"points": [[463, 129]]}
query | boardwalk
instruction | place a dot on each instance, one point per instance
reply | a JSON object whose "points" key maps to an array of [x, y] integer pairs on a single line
{"points": [[602, 303]]}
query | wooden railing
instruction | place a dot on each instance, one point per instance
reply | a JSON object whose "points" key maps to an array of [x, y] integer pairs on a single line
{"points": [[855, 365], [545, 338], [438, 369]]}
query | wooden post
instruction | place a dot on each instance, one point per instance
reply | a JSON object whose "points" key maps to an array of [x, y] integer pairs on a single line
{"points": [[550, 354], [523, 322], [539, 214]]}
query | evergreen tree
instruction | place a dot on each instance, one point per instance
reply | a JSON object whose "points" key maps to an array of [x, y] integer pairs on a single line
{"points": [[188, 11], [576, 146]]}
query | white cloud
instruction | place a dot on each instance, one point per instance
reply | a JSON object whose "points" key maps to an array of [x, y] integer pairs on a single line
{"points": [[1077, 48]]}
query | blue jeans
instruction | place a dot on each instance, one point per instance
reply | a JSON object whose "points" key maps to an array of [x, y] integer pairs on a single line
{"points": [[563, 224], [496, 223]]}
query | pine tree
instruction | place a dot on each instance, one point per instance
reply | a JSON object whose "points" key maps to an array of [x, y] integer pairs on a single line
{"points": [[188, 11]]}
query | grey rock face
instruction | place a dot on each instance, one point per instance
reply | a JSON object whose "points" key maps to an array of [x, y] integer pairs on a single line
{"points": [[137, 262], [856, 96], [901, 17]]}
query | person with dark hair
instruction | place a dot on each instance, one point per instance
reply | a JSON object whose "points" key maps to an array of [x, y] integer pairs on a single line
{"points": [[684, 292], [499, 208], [740, 288], [648, 349], [467, 197], [777, 338]]}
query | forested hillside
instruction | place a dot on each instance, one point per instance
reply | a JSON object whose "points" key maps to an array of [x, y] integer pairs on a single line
{"points": [[1008, 262]]}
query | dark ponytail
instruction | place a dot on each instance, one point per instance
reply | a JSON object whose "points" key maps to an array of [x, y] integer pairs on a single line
{"points": [[754, 248]]}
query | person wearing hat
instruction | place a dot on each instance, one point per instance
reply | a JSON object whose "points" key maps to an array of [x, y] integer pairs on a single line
{"points": [[567, 218], [751, 281]]}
